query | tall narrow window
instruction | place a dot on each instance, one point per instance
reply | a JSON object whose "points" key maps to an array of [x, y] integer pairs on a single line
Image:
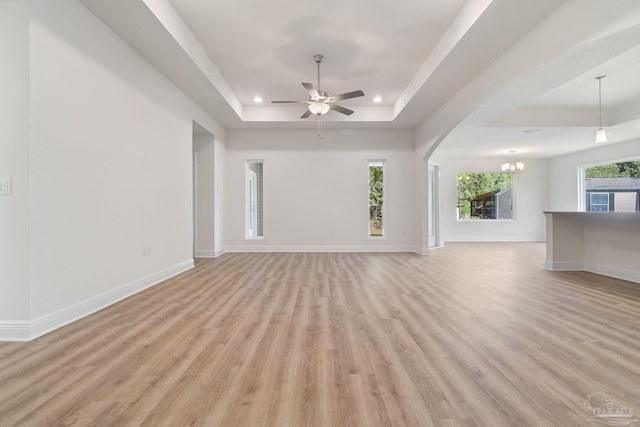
{"points": [[254, 199], [376, 198]]}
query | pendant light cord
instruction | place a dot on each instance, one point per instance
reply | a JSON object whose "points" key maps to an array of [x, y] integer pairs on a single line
{"points": [[600, 101], [599, 78]]}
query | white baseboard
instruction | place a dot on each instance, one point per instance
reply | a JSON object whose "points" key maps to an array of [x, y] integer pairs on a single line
{"points": [[426, 250], [27, 331], [210, 253], [564, 266], [14, 331], [618, 273], [496, 239], [205, 254], [421, 251], [320, 249]]}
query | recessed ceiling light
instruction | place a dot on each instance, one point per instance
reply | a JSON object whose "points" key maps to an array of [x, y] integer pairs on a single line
{"points": [[257, 99], [377, 98]]}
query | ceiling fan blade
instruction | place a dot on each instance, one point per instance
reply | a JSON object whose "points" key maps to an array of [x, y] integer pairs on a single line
{"points": [[311, 90], [306, 114], [348, 95], [289, 102], [340, 109]]}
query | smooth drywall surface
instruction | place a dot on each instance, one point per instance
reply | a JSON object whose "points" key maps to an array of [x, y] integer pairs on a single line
{"points": [[14, 159], [204, 174], [111, 162], [316, 190], [564, 171], [420, 213], [218, 196], [531, 199], [611, 244]]}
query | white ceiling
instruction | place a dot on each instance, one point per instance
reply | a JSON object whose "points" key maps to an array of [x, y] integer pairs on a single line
{"points": [[418, 55], [266, 47]]}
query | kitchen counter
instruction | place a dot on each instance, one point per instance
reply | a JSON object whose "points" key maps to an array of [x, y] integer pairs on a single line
{"points": [[606, 243]]}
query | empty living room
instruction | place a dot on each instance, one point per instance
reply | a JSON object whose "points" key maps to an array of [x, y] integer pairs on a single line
{"points": [[411, 213]]}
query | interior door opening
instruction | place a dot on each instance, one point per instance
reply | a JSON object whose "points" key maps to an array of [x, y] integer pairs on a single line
{"points": [[203, 169]]}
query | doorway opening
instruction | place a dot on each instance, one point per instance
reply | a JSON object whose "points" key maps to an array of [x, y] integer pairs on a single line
{"points": [[203, 192]]}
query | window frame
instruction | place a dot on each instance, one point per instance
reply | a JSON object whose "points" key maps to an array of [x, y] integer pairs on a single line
{"points": [[513, 199], [253, 196], [598, 193], [383, 164], [582, 178]]}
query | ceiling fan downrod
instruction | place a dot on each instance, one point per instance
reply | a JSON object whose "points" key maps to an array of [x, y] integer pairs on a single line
{"points": [[318, 59]]}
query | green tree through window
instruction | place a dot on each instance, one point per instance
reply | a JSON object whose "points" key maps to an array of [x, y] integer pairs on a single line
{"points": [[615, 170], [376, 198], [485, 196]]}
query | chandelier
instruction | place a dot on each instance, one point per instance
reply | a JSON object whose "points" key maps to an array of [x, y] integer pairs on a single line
{"points": [[512, 167]]}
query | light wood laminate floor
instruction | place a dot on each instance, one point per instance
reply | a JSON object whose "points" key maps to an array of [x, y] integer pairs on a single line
{"points": [[475, 334]]}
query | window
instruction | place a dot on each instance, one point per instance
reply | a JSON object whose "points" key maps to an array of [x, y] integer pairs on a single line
{"points": [[485, 196], [612, 187], [376, 198], [254, 199], [599, 202]]}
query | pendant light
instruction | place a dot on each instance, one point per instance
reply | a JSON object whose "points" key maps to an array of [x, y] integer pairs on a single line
{"points": [[601, 135]]}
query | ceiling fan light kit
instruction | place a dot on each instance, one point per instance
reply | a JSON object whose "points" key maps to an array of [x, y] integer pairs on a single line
{"points": [[319, 108], [319, 102]]}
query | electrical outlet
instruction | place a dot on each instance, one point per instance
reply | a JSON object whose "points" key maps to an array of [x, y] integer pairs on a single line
{"points": [[332, 232], [5, 186], [146, 250]]}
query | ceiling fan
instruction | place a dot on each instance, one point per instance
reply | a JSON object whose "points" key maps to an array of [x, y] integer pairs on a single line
{"points": [[319, 102]]}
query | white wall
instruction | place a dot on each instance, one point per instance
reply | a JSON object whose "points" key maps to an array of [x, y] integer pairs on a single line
{"points": [[314, 186], [110, 162], [531, 200], [564, 171], [14, 159], [218, 196], [106, 144]]}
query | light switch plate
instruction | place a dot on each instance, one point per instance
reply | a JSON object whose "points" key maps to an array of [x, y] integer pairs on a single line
{"points": [[5, 186]]}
